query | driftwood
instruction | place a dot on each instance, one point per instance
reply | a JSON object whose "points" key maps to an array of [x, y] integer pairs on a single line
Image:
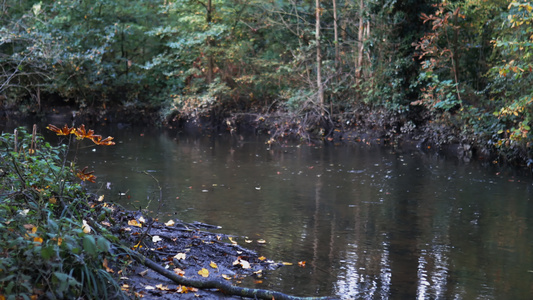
{"points": [[217, 284]]}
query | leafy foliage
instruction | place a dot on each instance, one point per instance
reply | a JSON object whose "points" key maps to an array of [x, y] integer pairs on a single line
{"points": [[48, 248]]}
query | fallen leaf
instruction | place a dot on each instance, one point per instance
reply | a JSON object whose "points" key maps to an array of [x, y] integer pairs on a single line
{"points": [[125, 287], [179, 272], [170, 223], [143, 273], [149, 287], [156, 239], [38, 240], [213, 265], [204, 272], [162, 288], [232, 241], [142, 220], [258, 281], [261, 241], [105, 223], [185, 289], [101, 198], [248, 241], [104, 263], [180, 256], [261, 258], [227, 277], [301, 264], [244, 264], [287, 263], [134, 223]]}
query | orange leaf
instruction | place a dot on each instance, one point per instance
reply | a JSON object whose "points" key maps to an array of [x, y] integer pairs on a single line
{"points": [[85, 175], [301, 264], [61, 131], [109, 270], [97, 139], [81, 133]]}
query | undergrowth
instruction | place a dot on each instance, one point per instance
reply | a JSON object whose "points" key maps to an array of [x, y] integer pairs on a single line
{"points": [[48, 246]]}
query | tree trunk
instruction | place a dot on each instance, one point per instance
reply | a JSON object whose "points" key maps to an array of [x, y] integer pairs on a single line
{"points": [[210, 43], [319, 61], [336, 34], [359, 63]]}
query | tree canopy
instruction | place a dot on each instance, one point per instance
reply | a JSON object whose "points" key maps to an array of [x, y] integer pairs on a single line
{"points": [[466, 62]]}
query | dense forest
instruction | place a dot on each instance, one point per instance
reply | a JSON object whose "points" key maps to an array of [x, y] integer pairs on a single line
{"points": [[460, 71]]}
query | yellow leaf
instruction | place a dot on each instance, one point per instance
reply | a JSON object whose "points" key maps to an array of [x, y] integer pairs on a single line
{"points": [[227, 277], [204, 272], [38, 240], [170, 223], [287, 263], [134, 223], [213, 265], [232, 241], [261, 258]]}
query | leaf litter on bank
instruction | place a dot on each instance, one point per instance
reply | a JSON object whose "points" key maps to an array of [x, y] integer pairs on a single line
{"points": [[189, 251]]}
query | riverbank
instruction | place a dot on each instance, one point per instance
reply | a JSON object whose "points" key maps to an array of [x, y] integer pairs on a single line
{"points": [[415, 130]]}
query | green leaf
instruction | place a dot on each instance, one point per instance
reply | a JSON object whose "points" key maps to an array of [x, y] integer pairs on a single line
{"points": [[47, 252], [103, 244], [89, 245]]}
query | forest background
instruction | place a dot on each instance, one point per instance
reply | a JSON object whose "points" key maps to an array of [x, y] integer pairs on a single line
{"points": [[441, 72]]}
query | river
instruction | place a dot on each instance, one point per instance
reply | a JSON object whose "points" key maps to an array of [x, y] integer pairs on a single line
{"points": [[370, 222]]}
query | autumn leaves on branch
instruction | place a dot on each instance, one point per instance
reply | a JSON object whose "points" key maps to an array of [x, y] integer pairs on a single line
{"points": [[82, 133]]}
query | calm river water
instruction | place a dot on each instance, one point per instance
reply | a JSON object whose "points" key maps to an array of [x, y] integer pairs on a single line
{"points": [[369, 222]]}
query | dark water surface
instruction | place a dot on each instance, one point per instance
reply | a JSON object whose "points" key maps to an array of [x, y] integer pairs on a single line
{"points": [[371, 223]]}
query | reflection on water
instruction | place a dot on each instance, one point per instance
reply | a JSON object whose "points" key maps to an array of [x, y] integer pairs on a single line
{"points": [[371, 223]]}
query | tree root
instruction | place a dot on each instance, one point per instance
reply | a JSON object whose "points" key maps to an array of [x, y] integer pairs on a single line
{"points": [[217, 284]]}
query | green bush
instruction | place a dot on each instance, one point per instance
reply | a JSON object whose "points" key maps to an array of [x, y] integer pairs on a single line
{"points": [[47, 246]]}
